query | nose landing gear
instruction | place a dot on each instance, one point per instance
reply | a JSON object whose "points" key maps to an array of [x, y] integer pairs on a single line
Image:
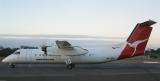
{"points": [[11, 66]]}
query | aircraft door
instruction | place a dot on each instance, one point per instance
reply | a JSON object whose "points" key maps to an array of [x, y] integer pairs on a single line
{"points": [[28, 56]]}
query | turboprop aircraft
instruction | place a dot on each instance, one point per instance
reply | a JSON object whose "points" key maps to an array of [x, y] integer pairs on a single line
{"points": [[66, 53]]}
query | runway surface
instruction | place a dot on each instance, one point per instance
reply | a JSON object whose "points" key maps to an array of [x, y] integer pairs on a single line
{"points": [[99, 72]]}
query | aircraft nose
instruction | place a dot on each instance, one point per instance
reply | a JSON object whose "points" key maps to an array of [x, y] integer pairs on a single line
{"points": [[9, 59], [5, 60]]}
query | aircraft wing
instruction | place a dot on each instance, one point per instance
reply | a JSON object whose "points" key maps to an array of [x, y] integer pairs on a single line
{"points": [[65, 48]]}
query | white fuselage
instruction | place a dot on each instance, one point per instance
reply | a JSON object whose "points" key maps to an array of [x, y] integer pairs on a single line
{"points": [[98, 54]]}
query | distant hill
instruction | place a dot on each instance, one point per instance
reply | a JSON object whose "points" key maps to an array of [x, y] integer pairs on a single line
{"points": [[60, 36]]}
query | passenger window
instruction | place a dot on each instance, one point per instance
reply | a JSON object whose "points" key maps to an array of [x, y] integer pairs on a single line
{"points": [[17, 53]]}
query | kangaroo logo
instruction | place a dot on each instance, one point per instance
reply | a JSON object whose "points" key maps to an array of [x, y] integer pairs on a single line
{"points": [[135, 44]]}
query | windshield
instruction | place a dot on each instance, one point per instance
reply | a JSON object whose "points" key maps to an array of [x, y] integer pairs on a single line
{"points": [[17, 52]]}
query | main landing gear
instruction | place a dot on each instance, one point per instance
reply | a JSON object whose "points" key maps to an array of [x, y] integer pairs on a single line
{"points": [[70, 66], [11, 66]]}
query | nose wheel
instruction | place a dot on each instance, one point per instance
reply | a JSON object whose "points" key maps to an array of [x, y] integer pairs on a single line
{"points": [[11, 66]]}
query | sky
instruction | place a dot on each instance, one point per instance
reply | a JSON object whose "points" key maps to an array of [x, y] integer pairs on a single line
{"points": [[108, 18]]}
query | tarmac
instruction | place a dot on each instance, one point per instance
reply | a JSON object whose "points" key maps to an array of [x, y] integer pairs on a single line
{"points": [[114, 71]]}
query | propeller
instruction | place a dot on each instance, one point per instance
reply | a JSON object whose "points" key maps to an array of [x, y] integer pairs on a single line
{"points": [[44, 46]]}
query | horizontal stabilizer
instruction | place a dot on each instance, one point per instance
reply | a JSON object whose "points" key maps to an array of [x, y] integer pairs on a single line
{"points": [[148, 23]]}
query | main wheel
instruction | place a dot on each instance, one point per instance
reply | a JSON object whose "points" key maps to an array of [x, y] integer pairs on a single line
{"points": [[73, 65], [69, 66], [11, 65]]}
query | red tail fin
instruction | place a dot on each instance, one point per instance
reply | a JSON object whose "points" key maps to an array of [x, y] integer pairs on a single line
{"points": [[137, 41]]}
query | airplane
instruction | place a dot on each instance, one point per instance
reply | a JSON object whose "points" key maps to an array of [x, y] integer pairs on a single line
{"points": [[65, 53]]}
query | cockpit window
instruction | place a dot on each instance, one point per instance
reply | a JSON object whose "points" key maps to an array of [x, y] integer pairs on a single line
{"points": [[17, 52]]}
